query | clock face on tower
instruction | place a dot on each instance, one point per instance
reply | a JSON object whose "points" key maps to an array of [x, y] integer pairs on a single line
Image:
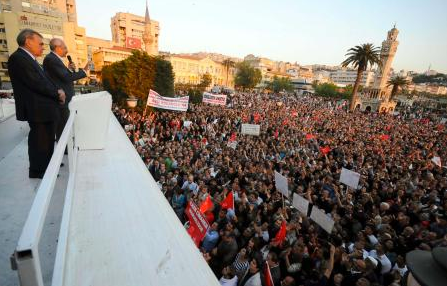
{"points": [[385, 49]]}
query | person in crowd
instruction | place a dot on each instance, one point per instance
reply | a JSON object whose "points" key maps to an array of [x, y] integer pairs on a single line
{"points": [[399, 205], [229, 278]]}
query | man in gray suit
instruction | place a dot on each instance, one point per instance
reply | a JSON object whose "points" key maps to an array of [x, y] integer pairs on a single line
{"points": [[62, 76]]}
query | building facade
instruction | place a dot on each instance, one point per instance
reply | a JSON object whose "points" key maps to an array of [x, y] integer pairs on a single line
{"points": [[135, 32], [52, 19], [107, 56], [345, 77], [189, 70]]}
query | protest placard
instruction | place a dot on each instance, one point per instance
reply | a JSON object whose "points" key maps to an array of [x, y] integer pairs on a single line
{"points": [[216, 99], [170, 103], [281, 184], [198, 224], [320, 217], [300, 204], [349, 178], [232, 145], [251, 129], [187, 123], [437, 161]]}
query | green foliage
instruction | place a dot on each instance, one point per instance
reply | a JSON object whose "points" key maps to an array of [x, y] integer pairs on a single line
{"points": [[228, 63], [326, 89], [397, 82], [247, 76], [333, 91], [205, 80], [360, 57], [137, 74], [164, 77], [195, 92], [280, 84]]}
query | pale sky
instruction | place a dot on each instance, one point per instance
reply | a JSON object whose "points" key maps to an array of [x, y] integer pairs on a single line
{"points": [[309, 32]]}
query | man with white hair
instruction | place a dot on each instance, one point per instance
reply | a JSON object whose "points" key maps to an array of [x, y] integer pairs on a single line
{"points": [[62, 76]]}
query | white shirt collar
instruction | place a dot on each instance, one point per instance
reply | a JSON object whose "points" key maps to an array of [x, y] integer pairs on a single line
{"points": [[62, 60], [30, 54]]}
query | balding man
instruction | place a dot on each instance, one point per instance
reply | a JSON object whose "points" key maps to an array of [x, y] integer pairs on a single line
{"points": [[64, 77]]}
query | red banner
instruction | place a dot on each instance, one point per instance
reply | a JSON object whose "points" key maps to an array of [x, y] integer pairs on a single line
{"points": [[133, 43], [198, 224]]}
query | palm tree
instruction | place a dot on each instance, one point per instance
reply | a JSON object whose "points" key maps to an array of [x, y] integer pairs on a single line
{"points": [[359, 57], [397, 82], [228, 63]]}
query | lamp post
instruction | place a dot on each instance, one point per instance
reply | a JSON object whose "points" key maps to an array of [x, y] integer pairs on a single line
{"points": [[132, 102]]}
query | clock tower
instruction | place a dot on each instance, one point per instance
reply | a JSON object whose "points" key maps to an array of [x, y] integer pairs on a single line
{"points": [[389, 48]]}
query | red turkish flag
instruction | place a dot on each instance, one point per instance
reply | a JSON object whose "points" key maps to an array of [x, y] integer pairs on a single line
{"points": [[233, 137], [385, 137], [325, 150], [310, 136], [281, 235], [206, 205], [268, 279], [198, 224], [133, 43], [257, 117], [228, 202]]}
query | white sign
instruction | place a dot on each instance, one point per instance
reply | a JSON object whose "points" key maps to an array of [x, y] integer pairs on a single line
{"points": [[232, 145], [251, 129], [300, 204], [322, 219], [281, 184], [217, 99], [349, 178], [170, 103], [437, 161], [187, 123]]}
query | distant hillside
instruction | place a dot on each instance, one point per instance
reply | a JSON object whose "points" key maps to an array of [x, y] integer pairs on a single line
{"points": [[438, 78]]}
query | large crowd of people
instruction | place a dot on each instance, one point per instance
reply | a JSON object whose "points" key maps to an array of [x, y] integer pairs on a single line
{"points": [[399, 205]]}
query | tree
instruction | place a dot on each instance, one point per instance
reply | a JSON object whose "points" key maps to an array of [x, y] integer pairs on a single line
{"points": [[359, 57], [397, 82], [247, 76], [205, 80], [137, 74], [280, 84], [164, 77], [228, 63]]}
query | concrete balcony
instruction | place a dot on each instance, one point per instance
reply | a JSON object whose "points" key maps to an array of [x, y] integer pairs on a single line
{"points": [[103, 221]]}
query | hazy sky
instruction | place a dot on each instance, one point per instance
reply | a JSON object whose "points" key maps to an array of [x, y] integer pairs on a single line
{"points": [[309, 32]]}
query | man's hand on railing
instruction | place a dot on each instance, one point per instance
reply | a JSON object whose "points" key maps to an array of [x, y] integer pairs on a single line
{"points": [[61, 96]]}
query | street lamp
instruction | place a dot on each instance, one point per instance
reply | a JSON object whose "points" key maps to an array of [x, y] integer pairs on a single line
{"points": [[132, 102]]}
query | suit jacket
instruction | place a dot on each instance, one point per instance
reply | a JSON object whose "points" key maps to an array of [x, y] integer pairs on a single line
{"points": [[36, 97], [61, 75]]}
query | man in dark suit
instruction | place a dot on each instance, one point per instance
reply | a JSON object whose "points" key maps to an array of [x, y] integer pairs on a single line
{"points": [[62, 76], [36, 99]]}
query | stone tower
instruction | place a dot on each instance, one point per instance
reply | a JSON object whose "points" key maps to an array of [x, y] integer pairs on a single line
{"points": [[148, 37], [389, 48]]}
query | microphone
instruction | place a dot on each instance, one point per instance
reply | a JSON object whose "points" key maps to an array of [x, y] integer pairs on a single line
{"points": [[69, 59]]}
